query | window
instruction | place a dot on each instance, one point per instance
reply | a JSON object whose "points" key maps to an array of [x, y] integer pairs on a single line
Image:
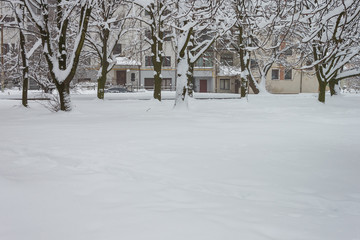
{"points": [[288, 52], [166, 61], [148, 61], [166, 83], [309, 63], [117, 49], [9, 19], [205, 60], [225, 84], [80, 80], [167, 36], [133, 77], [6, 48], [288, 74], [149, 83], [148, 34], [227, 59], [86, 61], [253, 63], [275, 74]]}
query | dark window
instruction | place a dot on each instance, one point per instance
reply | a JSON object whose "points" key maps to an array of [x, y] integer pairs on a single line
{"points": [[227, 59], [148, 34], [133, 77], [84, 80], [6, 48], [275, 74], [86, 61], [9, 19], [148, 61], [205, 60], [288, 74], [253, 63], [225, 84], [166, 12], [166, 83], [167, 36], [288, 52], [166, 61], [117, 49], [149, 83], [309, 63]]}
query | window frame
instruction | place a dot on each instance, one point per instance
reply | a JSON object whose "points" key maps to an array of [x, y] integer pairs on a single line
{"points": [[287, 71], [148, 61], [272, 74], [166, 61], [223, 85]]}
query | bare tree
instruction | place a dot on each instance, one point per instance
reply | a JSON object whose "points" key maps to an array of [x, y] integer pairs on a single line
{"points": [[107, 28], [158, 17]]}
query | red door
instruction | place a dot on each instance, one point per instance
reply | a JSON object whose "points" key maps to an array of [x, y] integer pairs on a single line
{"points": [[121, 77], [203, 85]]}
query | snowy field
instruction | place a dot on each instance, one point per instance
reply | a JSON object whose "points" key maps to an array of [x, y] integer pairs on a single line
{"points": [[278, 167]]}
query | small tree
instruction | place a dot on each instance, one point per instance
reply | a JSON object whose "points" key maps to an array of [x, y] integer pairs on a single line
{"points": [[159, 15], [107, 28]]}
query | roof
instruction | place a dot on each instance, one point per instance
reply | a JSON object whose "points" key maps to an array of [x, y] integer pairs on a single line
{"points": [[126, 61], [229, 71]]}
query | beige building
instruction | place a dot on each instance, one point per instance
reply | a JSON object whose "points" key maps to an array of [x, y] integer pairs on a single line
{"points": [[214, 72]]}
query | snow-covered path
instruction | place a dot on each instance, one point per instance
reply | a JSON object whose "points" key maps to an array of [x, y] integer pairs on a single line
{"points": [[276, 167]]}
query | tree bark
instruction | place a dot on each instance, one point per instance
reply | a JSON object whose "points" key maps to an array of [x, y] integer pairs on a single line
{"points": [[322, 91], [157, 80], [332, 85], [101, 87], [64, 97]]}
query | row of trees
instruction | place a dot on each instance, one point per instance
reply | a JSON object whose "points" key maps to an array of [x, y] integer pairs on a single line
{"points": [[323, 34]]}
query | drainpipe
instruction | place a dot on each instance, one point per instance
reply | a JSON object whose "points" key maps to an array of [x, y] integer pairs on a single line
{"points": [[301, 78], [2, 59]]}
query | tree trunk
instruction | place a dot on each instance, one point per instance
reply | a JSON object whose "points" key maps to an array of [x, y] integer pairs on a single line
{"points": [[253, 86], [322, 91], [101, 87], [157, 81], [64, 97], [190, 79], [181, 83], [334, 86], [25, 87], [25, 67]]}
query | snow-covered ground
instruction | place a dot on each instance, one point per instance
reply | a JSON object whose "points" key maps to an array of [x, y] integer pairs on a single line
{"points": [[278, 167]]}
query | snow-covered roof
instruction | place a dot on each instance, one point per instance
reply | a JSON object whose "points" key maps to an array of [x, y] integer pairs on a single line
{"points": [[229, 71], [126, 61]]}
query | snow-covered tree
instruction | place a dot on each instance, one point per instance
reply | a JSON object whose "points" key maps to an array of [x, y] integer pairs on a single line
{"points": [[26, 50], [196, 25], [106, 30], [259, 35], [157, 20], [62, 25], [331, 34]]}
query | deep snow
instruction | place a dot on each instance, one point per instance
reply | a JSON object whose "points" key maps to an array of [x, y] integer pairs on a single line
{"points": [[278, 167]]}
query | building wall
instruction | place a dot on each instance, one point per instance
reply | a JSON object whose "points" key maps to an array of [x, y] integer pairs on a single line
{"points": [[300, 82]]}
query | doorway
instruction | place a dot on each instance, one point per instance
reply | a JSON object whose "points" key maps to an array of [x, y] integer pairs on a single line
{"points": [[121, 78], [203, 85]]}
